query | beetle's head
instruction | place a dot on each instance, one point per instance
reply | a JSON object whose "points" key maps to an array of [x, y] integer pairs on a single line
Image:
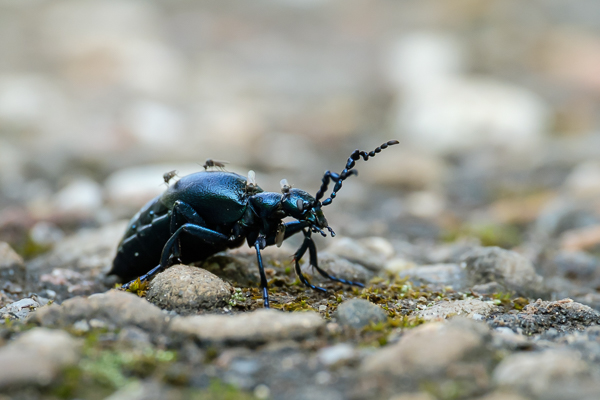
{"points": [[302, 206]]}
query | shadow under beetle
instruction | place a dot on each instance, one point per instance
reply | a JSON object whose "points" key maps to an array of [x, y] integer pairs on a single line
{"points": [[211, 211]]}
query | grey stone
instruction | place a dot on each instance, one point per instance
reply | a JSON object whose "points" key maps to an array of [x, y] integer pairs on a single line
{"points": [[576, 265], [508, 268], [113, 308], [37, 356], [486, 289], [372, 252], [87, 250], [187, 290], [260, 326], [437, 274], [12, 267], [359, 313], [541, 372], [538, 317], [19, 309], [433, 349], [470, 308], [338, 267], [337, 354]]}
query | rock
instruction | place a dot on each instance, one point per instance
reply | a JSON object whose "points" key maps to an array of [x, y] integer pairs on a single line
{"points": [[502, 395], [487, 289], [433, 349], [89, 249], [371, 252], [471, 308], [576, 265], [337, 354], [540, 372], [338, 267], [140, 390], [413, 396], [81, 198], [437, 274], [133, 187], [359, 313], [37, 356], [187, 290], [115, 309], [19, 309], [585, 238], [562, 316], [12, 267], [511, 270], [261, 326], [584, 181]]}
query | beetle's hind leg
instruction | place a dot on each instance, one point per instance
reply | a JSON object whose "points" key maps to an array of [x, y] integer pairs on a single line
{"points": [[144, 277], [312, 251]]}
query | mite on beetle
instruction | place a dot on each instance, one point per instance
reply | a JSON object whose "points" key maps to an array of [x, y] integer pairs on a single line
{"points": [[210, 211], [214, 163], [167, 176]]}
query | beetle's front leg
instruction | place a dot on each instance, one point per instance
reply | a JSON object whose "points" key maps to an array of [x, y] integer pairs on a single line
{"points": [[312, 252], [297, 256]]}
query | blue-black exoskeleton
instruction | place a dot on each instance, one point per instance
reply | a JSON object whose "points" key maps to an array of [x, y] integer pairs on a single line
{"points": [[211, 211]]}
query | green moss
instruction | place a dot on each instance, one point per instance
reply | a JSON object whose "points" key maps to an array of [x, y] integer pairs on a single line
{"points": [[107, 366], [501, 235], [138, 287], [220, 391]]}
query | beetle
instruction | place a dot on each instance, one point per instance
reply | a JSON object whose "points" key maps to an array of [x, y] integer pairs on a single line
{"points": [[211, 211]]}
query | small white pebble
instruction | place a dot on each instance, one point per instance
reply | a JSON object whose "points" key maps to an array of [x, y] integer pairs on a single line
{"points": [[262, 391]]}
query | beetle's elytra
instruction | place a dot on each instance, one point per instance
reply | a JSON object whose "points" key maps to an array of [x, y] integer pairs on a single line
{"points": [[211, 211]]}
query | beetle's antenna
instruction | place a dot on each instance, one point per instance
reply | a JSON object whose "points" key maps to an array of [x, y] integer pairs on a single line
{"points": [[348, 171]]}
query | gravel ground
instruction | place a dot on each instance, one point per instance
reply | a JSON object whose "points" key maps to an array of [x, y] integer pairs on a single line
{"points": [[477, 238]]}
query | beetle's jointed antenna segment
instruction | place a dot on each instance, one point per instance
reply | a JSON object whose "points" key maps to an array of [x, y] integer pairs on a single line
{"points": [[348, 171]]}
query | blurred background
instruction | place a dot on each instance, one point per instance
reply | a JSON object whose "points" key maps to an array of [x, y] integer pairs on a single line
{"points": [[496, 105]]}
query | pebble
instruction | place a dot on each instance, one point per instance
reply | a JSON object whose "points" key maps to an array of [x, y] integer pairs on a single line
{"points": [[188, 290], [37, 356], [372, 253], [113, 309], [576, 265], [359, 313], [19, 309], [508, 268], [337, 354], [540, 373], [471, 308], [432, 349], [438, 274], [338, 267], [87, 250], [12, 267], [261, 326]]}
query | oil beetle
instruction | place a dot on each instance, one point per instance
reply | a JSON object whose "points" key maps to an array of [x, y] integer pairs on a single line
{"points": [[210, 211]]}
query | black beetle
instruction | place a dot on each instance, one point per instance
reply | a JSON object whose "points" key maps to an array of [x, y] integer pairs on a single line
{"points": [[211, 211]]}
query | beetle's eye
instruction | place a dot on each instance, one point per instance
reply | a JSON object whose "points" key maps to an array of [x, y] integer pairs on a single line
{"points": [[300, 205]]}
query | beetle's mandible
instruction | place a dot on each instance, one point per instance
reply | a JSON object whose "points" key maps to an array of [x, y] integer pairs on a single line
{"points": [[211, 211]]}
